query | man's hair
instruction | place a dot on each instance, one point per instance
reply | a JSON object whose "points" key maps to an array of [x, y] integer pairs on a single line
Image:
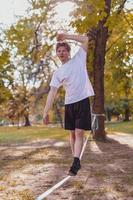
{"points": [[63, 44]]}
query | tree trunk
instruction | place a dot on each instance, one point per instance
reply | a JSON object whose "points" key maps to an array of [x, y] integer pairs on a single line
{"points": [[27, 121], [18, 118], [127, 114], [98, 65], [108, 114]]}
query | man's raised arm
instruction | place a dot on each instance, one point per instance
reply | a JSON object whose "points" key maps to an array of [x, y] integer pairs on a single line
{"points": [[79, 38]]}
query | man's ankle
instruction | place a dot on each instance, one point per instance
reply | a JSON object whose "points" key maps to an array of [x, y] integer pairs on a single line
{"points": [[75, 166], [76, 162], [76, 158]]}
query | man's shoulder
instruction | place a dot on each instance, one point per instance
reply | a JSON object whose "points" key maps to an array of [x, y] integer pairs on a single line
{"points": [[58, 71], [80, 53]]}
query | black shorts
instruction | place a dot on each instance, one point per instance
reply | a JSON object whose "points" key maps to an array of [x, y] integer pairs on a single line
{"points": [[78, 115]]}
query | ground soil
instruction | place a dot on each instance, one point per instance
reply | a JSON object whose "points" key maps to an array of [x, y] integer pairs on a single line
{"points": [[27, 170]]}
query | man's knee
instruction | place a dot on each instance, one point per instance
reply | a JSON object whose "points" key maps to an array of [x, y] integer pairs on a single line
{"points": [[72, 134], [79, 132]]}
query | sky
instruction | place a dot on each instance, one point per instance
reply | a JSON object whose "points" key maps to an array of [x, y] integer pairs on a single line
{"points": [[10, 8]]}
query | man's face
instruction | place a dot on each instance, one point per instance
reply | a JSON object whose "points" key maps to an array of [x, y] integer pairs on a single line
{"points": [[63, 54]]}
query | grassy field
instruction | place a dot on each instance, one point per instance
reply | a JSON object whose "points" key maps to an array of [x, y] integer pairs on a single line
{"points": [[124, 127], [25, 134]]}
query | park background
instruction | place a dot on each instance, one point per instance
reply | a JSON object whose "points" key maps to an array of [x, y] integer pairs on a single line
{"points": [[27, 61]]}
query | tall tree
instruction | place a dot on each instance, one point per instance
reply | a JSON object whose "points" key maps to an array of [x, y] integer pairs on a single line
{"points": [[99, 62], [6, 69], [29, 41], [18, 106], [119, 68]]}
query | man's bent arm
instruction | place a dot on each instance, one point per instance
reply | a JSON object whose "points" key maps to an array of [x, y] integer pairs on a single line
{"points": [[50, 100], [79, 38]]}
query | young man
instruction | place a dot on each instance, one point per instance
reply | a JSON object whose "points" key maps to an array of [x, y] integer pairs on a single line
{"points": [[73, 76]]}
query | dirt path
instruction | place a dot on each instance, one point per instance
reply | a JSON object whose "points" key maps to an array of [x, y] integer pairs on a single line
{"points": [[28, 170]]}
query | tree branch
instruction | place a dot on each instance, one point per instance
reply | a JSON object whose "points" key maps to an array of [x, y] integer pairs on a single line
{"points": [[121, 7], [128, 22], [118, 12], [115, 42]]}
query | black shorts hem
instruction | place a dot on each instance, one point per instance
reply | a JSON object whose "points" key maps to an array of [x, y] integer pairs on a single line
{"points": [[71, 129]]}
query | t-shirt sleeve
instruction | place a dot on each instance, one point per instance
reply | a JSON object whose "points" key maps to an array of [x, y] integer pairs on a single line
{"points": [[81, 56], [56, 81]]}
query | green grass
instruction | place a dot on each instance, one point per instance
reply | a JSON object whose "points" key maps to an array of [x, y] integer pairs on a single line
{"points": [[12, 135], [24, 134], [124, 127]]}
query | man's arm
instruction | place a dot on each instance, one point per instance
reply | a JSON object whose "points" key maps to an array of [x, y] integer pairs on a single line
{"points": [[50, 99], [79, 38]]}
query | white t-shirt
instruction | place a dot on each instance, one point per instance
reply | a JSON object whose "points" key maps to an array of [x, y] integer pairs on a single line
{"points": [[74, 78]]}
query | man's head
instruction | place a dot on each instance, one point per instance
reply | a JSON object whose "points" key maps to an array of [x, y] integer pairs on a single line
{"points": [[63, 51]]}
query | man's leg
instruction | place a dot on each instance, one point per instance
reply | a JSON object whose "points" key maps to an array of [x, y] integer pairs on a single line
{"points": [[72, 141], [79, 133], [79, 137]]}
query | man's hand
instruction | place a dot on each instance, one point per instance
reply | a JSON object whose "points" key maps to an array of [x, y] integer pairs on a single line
{"points": [[60, 37], [78, 38], [45, 118]]}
